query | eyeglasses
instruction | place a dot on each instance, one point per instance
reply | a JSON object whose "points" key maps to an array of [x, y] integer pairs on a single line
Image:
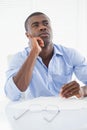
{"points": [[51, 111]]}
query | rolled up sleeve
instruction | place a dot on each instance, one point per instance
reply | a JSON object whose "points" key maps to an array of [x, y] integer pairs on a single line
{"points": [[11, 90]]}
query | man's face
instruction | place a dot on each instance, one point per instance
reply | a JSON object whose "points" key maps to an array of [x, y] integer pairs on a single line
{"points": [[39, 26]]}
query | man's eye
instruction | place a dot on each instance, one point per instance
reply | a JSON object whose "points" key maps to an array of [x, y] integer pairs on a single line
{"points": [[46, 23], [35, 25]]}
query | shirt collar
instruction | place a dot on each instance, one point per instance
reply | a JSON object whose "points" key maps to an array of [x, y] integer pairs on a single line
{"points": [[57, 50]]}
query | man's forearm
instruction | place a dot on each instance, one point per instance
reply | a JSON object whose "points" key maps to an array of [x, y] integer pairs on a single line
{"points": [[23, 77]]}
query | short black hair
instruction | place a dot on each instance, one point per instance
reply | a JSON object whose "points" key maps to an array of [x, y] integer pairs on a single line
{"points": [[33, 14]]}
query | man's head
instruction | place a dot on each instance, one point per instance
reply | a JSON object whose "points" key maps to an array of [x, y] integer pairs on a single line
{"points": [[38, 25]]}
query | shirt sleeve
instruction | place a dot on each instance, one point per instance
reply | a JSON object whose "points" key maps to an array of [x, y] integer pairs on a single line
{"points": [[11, 90], [80, 70], [79, 63]]}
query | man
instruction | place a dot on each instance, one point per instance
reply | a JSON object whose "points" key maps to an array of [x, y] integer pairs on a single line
{"points": [[44, 68]]}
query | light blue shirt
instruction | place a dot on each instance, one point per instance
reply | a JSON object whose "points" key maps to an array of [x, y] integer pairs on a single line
{"points": [[47, 81]]}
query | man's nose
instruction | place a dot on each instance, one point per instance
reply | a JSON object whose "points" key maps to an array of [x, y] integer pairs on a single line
{"points": [[42, 28]]}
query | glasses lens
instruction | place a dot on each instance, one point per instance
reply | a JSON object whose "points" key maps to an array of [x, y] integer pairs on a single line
{"points": [[51, 113]]}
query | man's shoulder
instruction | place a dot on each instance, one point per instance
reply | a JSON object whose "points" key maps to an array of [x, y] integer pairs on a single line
{"points": [[23, 52], [64, 49], [69, 54], [20, 55]]}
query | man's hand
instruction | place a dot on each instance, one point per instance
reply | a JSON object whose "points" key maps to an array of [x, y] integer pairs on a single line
{"points": [[36, 43], [71, 89]]}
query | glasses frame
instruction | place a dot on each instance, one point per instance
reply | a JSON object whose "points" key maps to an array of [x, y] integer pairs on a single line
{"points": [[56, 111]]}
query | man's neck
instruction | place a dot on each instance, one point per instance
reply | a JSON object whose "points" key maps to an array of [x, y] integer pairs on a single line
{"points": [[47, 54]]}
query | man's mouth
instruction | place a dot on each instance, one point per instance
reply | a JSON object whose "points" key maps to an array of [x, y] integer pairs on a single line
{"points": [[44, 35]]}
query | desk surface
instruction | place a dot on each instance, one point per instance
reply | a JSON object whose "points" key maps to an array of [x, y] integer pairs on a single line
{"points": [[71, 119], [4, 123]]}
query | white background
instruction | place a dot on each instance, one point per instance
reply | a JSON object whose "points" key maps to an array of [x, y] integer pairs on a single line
{"points": [[69, 23]]}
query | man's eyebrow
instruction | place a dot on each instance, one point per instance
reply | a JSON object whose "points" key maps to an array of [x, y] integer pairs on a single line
{"points": [[45, 21]]}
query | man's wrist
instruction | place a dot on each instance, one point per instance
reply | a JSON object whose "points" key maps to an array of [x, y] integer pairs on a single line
{"points": [[83, 91], [35, 52]]}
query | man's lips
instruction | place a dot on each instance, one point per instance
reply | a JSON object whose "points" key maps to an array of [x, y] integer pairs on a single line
{"points": [[44, 34]]}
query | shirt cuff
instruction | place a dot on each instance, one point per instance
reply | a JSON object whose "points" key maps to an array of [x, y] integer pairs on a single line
{"points": [[12, 91]]}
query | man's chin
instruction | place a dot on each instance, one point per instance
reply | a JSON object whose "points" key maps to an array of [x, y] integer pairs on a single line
{"points": [[46, 43]]}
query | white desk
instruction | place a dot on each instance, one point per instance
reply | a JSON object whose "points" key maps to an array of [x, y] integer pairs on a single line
{"points": [[4, 123], [67, 119]]}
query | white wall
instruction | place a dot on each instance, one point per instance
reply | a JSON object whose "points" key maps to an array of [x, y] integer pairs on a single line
{"points": [[69, 23]]}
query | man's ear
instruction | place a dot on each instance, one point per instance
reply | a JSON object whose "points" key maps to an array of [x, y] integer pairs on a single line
{"points": [[27, 34]]}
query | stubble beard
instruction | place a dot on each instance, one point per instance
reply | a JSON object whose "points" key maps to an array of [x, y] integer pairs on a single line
{"points": [[47, 42]]}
